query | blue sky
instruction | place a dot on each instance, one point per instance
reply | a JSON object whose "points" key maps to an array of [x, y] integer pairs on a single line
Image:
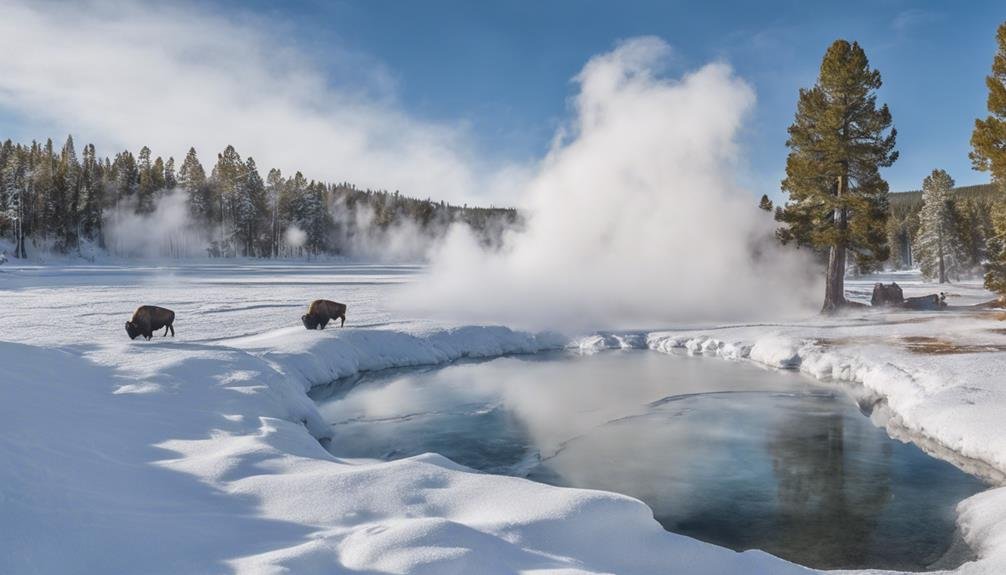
{"points": [[505, 67], [500, 70]]}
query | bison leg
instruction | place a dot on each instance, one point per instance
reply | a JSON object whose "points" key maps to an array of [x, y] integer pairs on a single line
{"points": [[343, 324], [323, 323], [165, 331], [172, 326]]}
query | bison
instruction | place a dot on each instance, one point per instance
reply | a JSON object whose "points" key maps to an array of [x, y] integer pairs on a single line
{"points": [[321, 312], [147, 319]]}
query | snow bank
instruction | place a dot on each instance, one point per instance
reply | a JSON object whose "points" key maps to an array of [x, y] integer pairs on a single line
{"points": [[314, 359], [193, 455], [950, 404], [188, 457]]}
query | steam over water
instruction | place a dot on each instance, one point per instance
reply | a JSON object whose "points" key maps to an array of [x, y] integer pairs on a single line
{"points": [[728, 453]]}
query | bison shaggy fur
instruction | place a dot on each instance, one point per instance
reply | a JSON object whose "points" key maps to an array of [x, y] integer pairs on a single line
{"points": [[149, 318], [321, 312]]}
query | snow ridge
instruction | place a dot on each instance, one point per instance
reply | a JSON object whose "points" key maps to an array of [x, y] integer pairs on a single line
{"points": [[949, 408]]}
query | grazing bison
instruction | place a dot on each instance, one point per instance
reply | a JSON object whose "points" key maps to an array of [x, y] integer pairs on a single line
{"points": [[147, 319], [321, 312]]}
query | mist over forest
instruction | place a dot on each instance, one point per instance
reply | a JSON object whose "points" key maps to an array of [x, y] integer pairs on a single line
{"points": [[56, 202]]}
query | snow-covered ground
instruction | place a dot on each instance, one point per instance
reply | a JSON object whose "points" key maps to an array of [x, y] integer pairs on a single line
{"points": [[200, 454]]}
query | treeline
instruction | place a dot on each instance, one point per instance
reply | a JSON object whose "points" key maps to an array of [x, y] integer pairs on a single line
{"points": [[54, 198], [947, 232], [967, 237]]}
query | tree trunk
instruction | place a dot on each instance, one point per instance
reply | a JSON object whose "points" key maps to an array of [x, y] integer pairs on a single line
{"points": [[834, 289], [20, 247], [943, 269]]}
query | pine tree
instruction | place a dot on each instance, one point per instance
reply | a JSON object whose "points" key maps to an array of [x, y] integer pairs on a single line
{"points": [[988, 154], [47, 214], [315, 219], [995, 269], [274, 189], [291, 206], [974, 227], [937, 243], [170, 180], [6, 151], [68, 180], [146, 183], [126, 177], [192, 180], [988, 140], [92, 196], [249, 208], [765, 203], [14, 181], [157, 176], [838, 142], [226, 181]]}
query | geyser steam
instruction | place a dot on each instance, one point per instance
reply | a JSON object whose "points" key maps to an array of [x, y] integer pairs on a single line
{"points": [[634, 218]]}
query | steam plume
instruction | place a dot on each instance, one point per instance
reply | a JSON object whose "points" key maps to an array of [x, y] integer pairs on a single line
{"points": [[634, 217]]}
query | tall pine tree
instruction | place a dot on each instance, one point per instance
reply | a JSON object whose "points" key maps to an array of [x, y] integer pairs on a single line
{"points": [[988, 154], [988, 140], [274, 188], [170, 180], [838, 142], [146, 183], [192, 180], [69, 182]]}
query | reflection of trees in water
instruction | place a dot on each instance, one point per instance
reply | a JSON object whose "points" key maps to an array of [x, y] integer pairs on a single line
{"points": [[829, 504]]}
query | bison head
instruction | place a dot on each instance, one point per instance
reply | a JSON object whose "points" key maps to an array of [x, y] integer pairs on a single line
{"points": [[132, 330], [310, 321]]}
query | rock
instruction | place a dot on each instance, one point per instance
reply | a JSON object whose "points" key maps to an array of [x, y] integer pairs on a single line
{"points": [[926, 303], [889, 295]]}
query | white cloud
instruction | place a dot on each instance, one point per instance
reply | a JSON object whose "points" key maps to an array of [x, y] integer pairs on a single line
{"points": [[125, 74], [913, 18]]}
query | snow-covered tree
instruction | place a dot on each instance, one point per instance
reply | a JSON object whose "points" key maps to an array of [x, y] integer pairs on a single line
{"points": [[170, 180], [274, 188], [192, 180], [92, 192], [126, 176], [68, 182], [938, 247], [249, 208], [13, 184]]}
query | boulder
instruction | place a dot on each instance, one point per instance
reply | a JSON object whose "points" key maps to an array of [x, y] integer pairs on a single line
{"points": [[887, 295], [926, 303]]}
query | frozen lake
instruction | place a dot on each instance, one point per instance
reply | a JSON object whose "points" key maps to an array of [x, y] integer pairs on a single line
{"points": [[722, 451]]}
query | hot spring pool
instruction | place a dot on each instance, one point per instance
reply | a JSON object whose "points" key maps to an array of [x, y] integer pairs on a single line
{"points": [[721, 451]]}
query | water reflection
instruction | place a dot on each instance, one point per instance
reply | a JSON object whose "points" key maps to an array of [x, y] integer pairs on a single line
{"points": [[727, 453], [830, 501]]}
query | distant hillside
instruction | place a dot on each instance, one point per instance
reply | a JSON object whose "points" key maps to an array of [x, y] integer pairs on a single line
{"points": [[914, 197]]}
